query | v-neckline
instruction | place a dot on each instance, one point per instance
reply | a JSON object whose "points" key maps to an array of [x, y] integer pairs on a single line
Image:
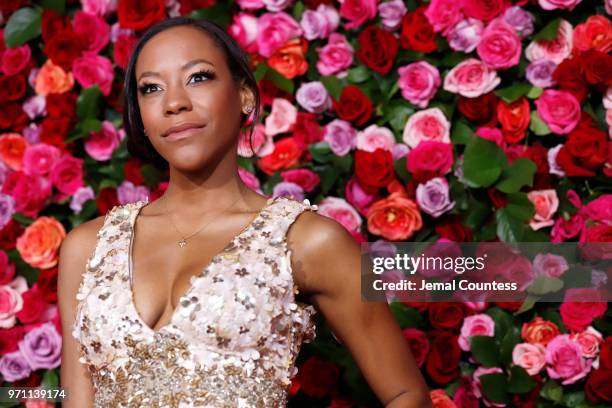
{"points": [[192, 280]]}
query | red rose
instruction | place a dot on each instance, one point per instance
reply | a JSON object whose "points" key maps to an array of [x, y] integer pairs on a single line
{"points": [[354, 106], [187, 6], [481, 110], [451, 228], [8, 6], [52, 23], [12, 117], [539, 155], [514, 118], [342, 403], [33, 380], [63, 48], [377, 49], [269, 91], [47, 283], [61, 105], [529, 399], [511, 306], [107, 199], [421, 307], [446, 315], [132, 171], [10, 338], [597, 67], [12, 88], [305, 178], [418, 343], [307, 130], [417, 33], [484, 10], [55, 130], [569, 76], [585, 151], [140, 14], [318, 377], [443, 360], [429, 159], [498, 198], [598, 387], [9, 234], [598, 233], [605, 354], [34, 305], [374, 169], [115, 97], [286, 153], [123, 50]]}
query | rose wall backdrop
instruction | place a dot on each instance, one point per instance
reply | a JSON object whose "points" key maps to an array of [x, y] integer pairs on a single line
{"points": [[464, 120]]}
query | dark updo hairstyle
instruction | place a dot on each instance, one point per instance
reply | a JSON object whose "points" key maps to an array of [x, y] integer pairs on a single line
{"points": [[138, 144]]}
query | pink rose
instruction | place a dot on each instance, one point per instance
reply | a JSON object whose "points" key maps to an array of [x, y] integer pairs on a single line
{"points": [[305, 178], [274, 30], [549, 265], [340, 210], [419, 82], [357, 12], [262, 143], [443, 15], [492, 134], [91, 69], [101, 145], [429, 124], [282, 117], [418, 343], [484, 10], [580, 306], [358, 197], [374, 137], [251, 4], [559, 109], [532, 357], [102, 8], [30, 192], [430, 157], [465, 36], [554, 50], [244, 30], [11, 302], [249, 179], [558, 4], [600, 209], [471, 78], [500, 45], [67, 175], [565, 360], [480, 324], [546, 203], [564, 229], [478, 385], [340, 135], [122, 50], [589, 340], [92, 30], [335, 57], [319, 23], [39, 159]]}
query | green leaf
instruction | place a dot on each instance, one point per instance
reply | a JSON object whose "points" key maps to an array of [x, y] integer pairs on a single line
{"points": [[23, 26], [527, 304], [534, 92], [219, 13], [260, 71], [88, 102], [537, 125], [485, 350], [574, 399], [321, 152], [328, 177], [406, 316], [22, 219], [514, 92], [549, 32], [344, 163], [494, 387], [333, 85], [509, 228], [49, 379], [358, 74], [507, 344], [57, 5], [503, 321], [482, 164], [552, 391], [544, 284], [401, 170], [519, 174], [280, 80], [519, 206], [461, 133], [520, 382]]}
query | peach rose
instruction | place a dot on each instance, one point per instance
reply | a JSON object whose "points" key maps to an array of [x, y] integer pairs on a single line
{"points": [[282, 117], [290, 59], [471, 78], [394, 218], [546, 203], [589, 340], [440, 399], [539, 331], [12, 149], [340, 210], [39, 244], [532, 357], [52, 78]]}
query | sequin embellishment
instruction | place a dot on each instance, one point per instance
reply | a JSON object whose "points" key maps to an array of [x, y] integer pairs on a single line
{"points": [[233, 341]]}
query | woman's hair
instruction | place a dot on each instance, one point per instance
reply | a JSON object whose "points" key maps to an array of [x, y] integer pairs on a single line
{"points": [[138, 144]]}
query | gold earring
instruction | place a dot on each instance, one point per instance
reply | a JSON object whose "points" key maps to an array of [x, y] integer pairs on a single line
{"points": [[248, 109]]}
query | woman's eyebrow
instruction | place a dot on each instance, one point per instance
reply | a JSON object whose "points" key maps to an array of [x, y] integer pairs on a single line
{"points": [[183, 68]]}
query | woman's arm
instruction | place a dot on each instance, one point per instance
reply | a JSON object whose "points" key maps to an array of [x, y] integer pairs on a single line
{"points": [[326, 261], [76, 247]]}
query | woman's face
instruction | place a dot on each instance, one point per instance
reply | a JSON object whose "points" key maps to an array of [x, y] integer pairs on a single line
{"points": [[182, 77]]}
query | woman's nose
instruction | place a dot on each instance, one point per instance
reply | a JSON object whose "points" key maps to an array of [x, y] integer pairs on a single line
{"points": [[177, 99]]}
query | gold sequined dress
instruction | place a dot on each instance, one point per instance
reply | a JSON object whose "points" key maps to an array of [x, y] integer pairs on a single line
{"points": [[232, 340]]}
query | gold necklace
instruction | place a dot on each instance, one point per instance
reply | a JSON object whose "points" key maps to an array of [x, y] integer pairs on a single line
{"points": [[183, 240]]}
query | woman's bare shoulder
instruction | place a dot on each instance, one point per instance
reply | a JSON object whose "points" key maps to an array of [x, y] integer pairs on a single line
{"points": [[78, 245]]}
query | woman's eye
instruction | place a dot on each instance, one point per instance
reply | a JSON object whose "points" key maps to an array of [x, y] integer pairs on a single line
{"points": [[143, 89], [202, 74]]}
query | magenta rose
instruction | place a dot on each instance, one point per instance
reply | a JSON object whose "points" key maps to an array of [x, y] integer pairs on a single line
{"points": [[91, 69], [565, 360], [500, 45], [274, 30], [67, 175], [92, 30], [101, 145], [559, 109], [419, 82]]}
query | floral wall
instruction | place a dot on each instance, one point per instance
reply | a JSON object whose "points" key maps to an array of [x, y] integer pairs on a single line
{"points": [[462, 120]]}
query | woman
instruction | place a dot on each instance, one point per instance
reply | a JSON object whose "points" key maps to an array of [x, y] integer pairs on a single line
{"points": [[203, 296]]}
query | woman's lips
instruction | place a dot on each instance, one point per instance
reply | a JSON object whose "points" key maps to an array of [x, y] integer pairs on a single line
{"points": [[183, 133]]}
